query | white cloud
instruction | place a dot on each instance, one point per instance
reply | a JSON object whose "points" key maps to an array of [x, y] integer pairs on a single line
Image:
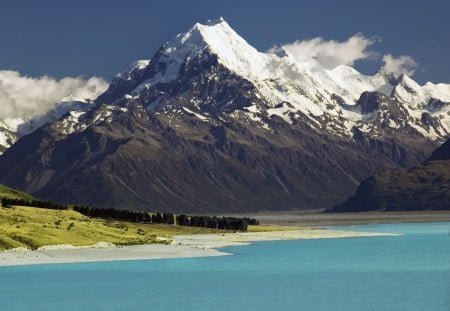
{"points": [[330, 53], [404, 64], [27, 97]]}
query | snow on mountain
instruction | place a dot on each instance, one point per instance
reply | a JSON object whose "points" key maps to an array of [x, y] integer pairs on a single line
{"points": [[409, 92], [132, 68], [293, 89], [307, 86], [437, 91], [11, 129], [327, 100], [356, 83], [415, 96], [211, 123], [218, 37]]}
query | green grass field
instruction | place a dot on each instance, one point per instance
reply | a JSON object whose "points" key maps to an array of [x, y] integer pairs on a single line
{"points": [[34, 227], [9, 193]]}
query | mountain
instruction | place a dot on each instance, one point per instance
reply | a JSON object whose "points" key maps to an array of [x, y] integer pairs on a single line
{"points": [[425, 187], [442, 153], [210, 124], [11, 129]]}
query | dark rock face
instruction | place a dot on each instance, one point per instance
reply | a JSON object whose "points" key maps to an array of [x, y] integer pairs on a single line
{"points": [[425, 187], [370, 102], [156, 161], [374, 102]]}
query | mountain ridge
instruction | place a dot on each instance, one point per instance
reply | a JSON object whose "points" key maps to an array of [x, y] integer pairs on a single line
{"points": [[11, 129], [185, 132], [304, 89]]}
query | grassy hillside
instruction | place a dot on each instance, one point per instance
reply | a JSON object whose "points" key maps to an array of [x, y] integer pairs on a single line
{"points": [[426, 187], [34, 227], [9, 193]]}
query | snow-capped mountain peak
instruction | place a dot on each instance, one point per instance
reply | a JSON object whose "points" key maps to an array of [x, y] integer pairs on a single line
{"points": [[130, 69], [232, 50], [238, 124], [220, 39], [289, 89]]}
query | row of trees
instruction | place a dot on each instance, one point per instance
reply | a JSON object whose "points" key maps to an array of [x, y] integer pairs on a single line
{"points": [[116, 214], [227, 223], [126, 215], [34, 203]]}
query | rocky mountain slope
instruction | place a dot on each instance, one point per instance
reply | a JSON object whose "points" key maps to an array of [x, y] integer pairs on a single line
{"points": [[425, 187], [211, 124], [11, 129]]}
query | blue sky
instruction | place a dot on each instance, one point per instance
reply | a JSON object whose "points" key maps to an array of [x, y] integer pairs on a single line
{"points": [[97, 37]]}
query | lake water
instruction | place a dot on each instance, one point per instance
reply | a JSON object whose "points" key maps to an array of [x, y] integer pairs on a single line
{"points": [[409, 272]]}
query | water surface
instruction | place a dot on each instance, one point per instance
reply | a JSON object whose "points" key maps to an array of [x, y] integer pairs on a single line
{"points": [[408, 272]]}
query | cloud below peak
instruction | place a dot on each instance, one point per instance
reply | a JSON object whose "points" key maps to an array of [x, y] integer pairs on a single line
{"points": [[28, 97], [404, 64], [330, 53]]}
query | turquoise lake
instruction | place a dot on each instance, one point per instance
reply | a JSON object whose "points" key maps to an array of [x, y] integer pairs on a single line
{"points": [[408, 272]]}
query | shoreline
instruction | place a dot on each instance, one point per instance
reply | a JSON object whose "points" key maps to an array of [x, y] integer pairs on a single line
{"points": [[183, 246], [317, 218]]}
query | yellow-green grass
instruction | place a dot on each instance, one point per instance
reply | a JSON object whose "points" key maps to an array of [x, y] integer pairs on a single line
{"points": [[9, 193], [35, 227]]}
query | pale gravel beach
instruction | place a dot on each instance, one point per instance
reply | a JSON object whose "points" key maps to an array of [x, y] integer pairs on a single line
{"points": [[243, 238], [57, 255], [183, 246]]}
